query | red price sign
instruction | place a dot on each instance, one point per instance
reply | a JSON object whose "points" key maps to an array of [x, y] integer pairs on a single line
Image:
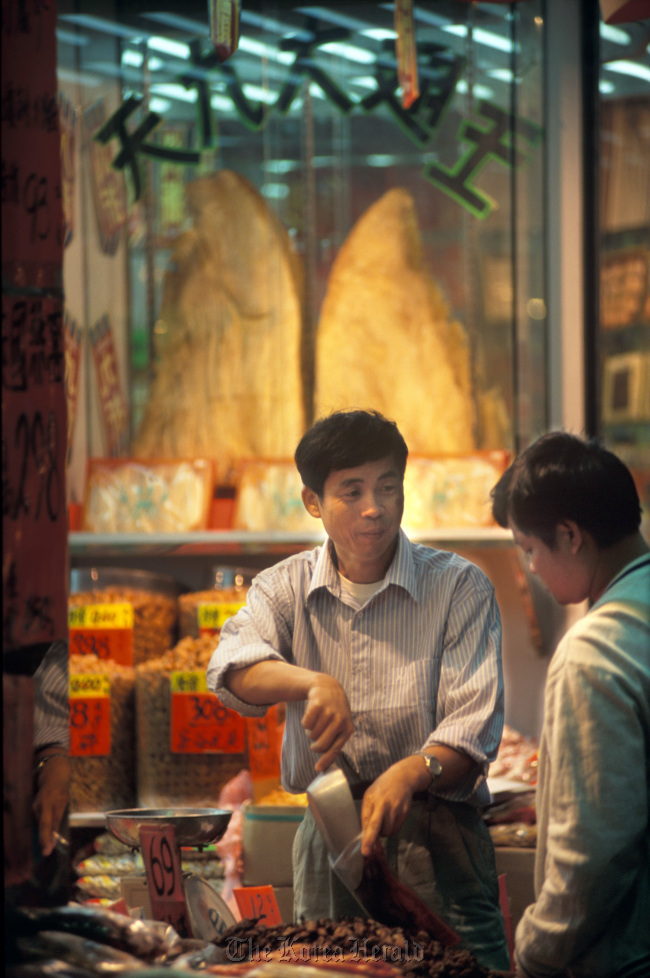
{"points": [[162, 863], [102, 630], [264, 745], [90, 715], [200, 724], [258, 903]]}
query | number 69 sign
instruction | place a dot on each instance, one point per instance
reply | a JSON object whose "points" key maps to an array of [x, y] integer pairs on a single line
{"points": [[164, 876]]}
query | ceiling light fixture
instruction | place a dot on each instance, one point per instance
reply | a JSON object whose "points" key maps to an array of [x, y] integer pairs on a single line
{"points": [[632, 68], [482, 37], [479, 91], [614, 34], [349, 51], [101, 25], [261, 50], [193, 27], [175, 49], [176, 92], [67, 37]]}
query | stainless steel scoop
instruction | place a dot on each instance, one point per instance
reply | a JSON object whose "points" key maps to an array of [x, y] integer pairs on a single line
{"points": [[332, 805]]}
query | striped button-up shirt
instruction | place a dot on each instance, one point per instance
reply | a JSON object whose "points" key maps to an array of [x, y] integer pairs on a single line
{"points": [[420, 661], [51, 704]]}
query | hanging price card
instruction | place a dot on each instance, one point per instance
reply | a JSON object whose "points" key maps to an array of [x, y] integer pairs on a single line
{"points": [[90, 715], [224, 27], [258, 903], [200, 724], [211, 616], [264, 745], [102, 630], [162, 863], [407, 61]]}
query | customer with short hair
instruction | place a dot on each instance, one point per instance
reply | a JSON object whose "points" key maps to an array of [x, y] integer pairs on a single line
{"points": [[574, 510]]}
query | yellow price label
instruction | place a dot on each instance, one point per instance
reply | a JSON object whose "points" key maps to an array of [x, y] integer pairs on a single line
{"points": [[84, 685], [118, 615], [214, 615], [188, 681]]}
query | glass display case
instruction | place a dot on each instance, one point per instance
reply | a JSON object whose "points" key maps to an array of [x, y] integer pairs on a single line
{"points": [[392, 194], [622, 330]]}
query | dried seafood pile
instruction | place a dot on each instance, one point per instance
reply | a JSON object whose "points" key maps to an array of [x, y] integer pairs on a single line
{"points": [[353, 943]]}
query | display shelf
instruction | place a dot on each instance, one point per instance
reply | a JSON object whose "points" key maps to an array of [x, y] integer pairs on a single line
{"points": [[242, 543]]}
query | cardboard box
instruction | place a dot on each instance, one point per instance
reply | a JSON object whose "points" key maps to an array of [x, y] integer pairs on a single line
{"points": [[267, 839], [135, 892]]}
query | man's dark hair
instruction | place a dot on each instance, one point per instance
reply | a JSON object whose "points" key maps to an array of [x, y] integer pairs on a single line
{"points": [[344, 440], [563, 477]]}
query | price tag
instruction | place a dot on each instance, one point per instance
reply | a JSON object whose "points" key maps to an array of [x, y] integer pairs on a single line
{"points": [[264, 745], [90, 715], [258, 903], [407, 62], [102, 630], [200, 724], [224, 27], [162, 863], [212, 616]]}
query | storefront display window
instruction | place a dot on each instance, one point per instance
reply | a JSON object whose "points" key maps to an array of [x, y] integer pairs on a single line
{"points": [[623, 330], [253, 242]]}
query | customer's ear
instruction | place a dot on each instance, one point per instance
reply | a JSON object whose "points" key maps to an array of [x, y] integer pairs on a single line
{"points": [[569, 536], [311, 502]]}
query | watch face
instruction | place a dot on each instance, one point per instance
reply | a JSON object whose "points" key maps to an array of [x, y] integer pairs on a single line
{"points": [[434, 766]]}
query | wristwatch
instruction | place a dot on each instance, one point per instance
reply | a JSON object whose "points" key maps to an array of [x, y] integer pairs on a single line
{"points": [[434, 767]]}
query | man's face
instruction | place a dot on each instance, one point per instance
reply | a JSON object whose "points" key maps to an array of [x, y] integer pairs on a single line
{"points": [[558, 567], [361, 509]]}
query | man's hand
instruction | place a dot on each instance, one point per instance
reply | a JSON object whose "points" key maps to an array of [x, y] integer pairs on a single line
{"points": [[327, 718], [51, 799], [388, 800]]}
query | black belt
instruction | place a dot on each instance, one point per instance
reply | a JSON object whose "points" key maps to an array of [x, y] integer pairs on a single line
{"points": [[359, 789]]}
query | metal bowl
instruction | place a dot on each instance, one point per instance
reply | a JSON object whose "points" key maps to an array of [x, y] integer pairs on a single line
{"points": [[192, 826]]}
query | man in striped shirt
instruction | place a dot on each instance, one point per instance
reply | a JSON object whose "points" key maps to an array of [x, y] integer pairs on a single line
{"points": [[388, 656]]}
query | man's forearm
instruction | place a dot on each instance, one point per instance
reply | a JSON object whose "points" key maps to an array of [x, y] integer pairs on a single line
{"points": [[270, 681]]}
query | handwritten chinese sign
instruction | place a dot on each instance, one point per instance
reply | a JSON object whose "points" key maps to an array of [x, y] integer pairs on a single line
{"points": [[102, 630], [90, 714], [32, 213], [108, 186], [200, 724], [72, 343], [258, 903], [265, 745], [34, 512], [114, 408]]}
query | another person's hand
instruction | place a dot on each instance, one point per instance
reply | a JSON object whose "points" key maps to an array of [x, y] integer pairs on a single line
{"points": [[51, 799], [327, 719], [388, 800]]}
